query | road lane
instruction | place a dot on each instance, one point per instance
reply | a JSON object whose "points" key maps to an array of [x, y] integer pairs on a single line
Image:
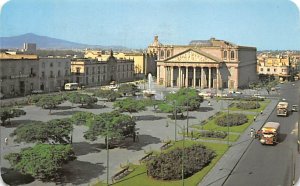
{"points": [[264, 165]]}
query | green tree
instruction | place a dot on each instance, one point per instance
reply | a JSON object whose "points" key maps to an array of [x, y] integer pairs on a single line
{"points": [[8, 113], [113, 125], [110, 95], [128, 89], [53, 131], [129, 105], [81, 118], [49, 102], [42, 161], [181, 99], [81, 99]]}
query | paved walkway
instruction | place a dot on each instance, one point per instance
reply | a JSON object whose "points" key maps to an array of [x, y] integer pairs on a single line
{"points": [[222, 169]]}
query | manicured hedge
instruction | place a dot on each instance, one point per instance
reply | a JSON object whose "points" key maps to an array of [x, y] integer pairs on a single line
{"points": [[232, 120], [248, 105], [168, 166], [213, 134]]}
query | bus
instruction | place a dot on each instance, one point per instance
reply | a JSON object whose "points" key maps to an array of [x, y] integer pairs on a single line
{"points": [[71, 86]]}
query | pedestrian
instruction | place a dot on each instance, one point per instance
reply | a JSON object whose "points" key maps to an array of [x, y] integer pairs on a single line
{"points": [[104, 104], [254, 118], [137, 136], [252, 132], [261, 112], [192, 135], [6, 141]]}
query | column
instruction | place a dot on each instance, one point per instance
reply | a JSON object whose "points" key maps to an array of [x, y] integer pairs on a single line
{"points": [[158, 74], [218, 78], [209, 77], [179, 77], [186, 76], [165, 78], [194, 76], [202, 78], [172, 74]]}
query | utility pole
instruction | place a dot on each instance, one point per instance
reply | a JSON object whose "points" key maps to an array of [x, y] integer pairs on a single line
{"points": [[175, 121], [187, 118]]}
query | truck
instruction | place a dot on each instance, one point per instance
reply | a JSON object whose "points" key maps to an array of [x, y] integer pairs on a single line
{"points": [[282, 108], [270, 133]]}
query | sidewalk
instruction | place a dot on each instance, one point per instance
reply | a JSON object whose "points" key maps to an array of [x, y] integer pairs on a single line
{"points": [[219, 173]]}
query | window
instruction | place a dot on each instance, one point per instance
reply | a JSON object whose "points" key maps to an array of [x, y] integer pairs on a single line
{"points": [[87, 70], [78, 70], [162, 54], [58, 73], [98, 70], [93, 79], [98, 78], [66, 72], [43, 74], [225, 55], [93, 70], [268, 70], [274, 69], [232, 55], [261, 69], [87, 80], [51, 64], [168, 53], [43, 64], [59, 64], [51, 74]]}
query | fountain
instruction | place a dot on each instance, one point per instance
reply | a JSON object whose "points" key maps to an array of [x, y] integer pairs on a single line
{"points": [[149, 92]]}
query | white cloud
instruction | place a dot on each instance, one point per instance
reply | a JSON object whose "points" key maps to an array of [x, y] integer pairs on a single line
{"points": [[297, 2], [2, 2]]}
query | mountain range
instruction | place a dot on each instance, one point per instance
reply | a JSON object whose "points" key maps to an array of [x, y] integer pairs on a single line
{"points": [[44, 42]]}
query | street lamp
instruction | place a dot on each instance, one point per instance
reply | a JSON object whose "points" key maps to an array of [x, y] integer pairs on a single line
{"points": [[228, 124]]}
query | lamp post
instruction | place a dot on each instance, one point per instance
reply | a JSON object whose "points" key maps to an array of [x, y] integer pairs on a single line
{"points": [[228, 124], [175, 121]]}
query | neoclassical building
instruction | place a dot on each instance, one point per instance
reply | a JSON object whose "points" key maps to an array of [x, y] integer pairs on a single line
{"points": [[205, 64]]}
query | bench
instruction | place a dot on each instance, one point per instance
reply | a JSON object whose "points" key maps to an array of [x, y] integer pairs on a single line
{"points": [[146, 157], [166, 145], [120, 174]]}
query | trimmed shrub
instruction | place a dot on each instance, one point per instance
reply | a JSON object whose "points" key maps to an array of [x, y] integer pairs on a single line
{"points": [[248, 105], [168, 166], [231, 120], [213, 134]]}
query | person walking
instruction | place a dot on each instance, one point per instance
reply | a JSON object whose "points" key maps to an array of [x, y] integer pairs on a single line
{"points": [[6, 141], [252, 132]]}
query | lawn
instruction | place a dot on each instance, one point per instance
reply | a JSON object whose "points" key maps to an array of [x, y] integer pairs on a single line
{"points": [[232, 137], [211, 125], [263, 105], [139, 176]]}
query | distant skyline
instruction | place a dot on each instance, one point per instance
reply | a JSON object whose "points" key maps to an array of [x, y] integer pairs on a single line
{"points": [[265, 24]]}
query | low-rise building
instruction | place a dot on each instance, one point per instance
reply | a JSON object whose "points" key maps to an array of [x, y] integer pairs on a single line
{"points": [[96, 72], [54, 73], [19, 74]]}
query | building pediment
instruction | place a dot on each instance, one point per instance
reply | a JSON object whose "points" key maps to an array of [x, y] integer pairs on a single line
{"points": [[192, 56]]}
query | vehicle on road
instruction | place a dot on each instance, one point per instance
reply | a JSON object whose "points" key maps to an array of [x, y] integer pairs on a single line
{"points": [[282, 108], [295, 108], [270, 133], [259, 96], [71, 86]]}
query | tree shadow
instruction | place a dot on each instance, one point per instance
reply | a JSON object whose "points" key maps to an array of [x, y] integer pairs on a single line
{"points": [[80, 172], [205, 109], [141, 141], [12, 177], [16, 123], [93, 106], [83, 148], [62, 107], [180, 117], [148, 117], [64, 113]]}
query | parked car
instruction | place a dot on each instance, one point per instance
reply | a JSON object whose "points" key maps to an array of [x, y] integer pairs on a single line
{"points": [[295, 108]]}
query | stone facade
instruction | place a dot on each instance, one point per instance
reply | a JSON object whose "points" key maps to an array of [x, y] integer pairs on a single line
{"points": [[54, 73], [205, 64], [19, 74], [92, 72]]}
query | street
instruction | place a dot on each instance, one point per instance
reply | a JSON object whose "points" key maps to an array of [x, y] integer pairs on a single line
{"points": [[277, 165]]}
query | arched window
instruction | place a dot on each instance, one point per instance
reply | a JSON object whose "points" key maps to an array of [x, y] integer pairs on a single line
{"points": [[225, 55], [162, 54], [232, 55], [168, 53], [58, 73]]}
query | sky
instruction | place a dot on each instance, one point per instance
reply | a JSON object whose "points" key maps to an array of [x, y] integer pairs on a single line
{"points": [[265, 24]]}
